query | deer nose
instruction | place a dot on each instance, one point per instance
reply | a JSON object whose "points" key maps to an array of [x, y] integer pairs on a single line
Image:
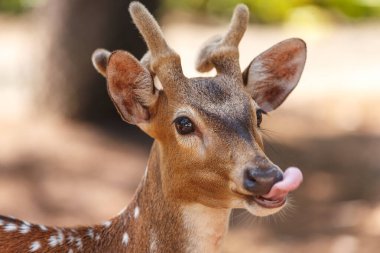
{"points": [[259, 181]]}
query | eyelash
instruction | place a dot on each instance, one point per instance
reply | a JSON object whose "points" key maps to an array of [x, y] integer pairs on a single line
{"points": [[259, 116]]}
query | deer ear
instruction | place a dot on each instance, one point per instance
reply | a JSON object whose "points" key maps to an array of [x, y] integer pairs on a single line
{"points": [[272, 75], [99, 59], [130, 87]]}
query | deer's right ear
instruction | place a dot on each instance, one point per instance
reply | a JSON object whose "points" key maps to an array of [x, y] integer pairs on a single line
{"points": [[130, 87]]}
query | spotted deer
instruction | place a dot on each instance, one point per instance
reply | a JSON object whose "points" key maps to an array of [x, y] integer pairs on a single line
{"points": [[208, 154]]}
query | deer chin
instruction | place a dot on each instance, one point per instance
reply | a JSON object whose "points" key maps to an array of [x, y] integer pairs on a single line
{"points": [[260, 211]]}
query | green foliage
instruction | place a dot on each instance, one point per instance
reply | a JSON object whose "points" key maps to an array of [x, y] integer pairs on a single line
{"points": [[265, 11], [16, 6], [355, 8], [10, 5], [274, 11]]}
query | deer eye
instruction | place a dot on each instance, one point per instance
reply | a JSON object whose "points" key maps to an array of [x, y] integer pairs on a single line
{"points": [[259, 116], [184, 125]]}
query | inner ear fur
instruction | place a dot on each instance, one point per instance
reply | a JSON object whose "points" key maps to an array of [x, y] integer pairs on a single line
{"points": [[130, 87], [272, 75]]}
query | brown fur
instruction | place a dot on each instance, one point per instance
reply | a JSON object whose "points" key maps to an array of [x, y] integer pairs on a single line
{"points": [[194, 180]]}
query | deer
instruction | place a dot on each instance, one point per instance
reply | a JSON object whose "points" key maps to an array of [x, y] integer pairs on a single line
{"points": [[208, 155]]}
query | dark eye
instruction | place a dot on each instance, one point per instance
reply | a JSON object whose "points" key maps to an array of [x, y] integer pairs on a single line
{"points": [[259, 116], [184, 125]]}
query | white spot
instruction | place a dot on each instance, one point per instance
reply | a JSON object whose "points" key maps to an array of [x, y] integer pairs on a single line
{"points": [[90, 233], [24, 228], [36, 245], [53, 241], [107, 224], [78, 243], [71, 251], [136, 212], [10, 227], [125, 239], [70, 238], [153, 246], [157, 84], [153, 242], [26, 223], [43, 228], [97, 237], [1, 222], [60, 237]]}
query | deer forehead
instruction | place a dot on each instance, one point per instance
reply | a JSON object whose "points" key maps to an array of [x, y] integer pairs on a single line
{"points": [[219, 94], [219, 102]]}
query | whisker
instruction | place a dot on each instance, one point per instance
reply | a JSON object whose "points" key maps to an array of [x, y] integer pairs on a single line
{"points": [[269, 139]]}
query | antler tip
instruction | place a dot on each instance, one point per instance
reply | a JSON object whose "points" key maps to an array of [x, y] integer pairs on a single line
{"points": [[242, 7], [242, 11], [137, 9], [134, 5]]}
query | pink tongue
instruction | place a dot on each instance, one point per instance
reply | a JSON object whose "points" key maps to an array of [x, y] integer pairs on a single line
{"points": [[292, 179]]}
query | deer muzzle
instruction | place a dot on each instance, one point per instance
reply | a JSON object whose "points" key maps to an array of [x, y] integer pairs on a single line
{"points": [[269, 186]]}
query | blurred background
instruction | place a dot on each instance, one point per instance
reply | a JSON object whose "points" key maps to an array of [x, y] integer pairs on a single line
{"points": [[66, 158]]}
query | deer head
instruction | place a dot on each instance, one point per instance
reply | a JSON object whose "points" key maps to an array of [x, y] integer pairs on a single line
{"points": [[207, 129]]}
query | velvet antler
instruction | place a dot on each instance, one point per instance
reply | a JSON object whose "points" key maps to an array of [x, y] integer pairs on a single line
{"points": [[161, 59], [221, 52]]}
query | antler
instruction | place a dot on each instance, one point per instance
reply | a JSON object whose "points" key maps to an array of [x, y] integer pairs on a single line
{"points": [[160, 59], [222, 52]]}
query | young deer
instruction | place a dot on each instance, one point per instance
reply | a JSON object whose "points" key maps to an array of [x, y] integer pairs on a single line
{"points": [[207, 157]]}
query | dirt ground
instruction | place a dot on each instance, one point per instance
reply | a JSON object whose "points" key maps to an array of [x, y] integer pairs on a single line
{"points": [[64, 173]]}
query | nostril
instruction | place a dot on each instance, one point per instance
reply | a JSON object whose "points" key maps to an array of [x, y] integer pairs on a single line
{"points": [[250, 183], [251, 174]]}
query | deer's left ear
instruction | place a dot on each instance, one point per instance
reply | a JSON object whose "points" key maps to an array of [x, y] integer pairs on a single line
{"points": [[272, 75]]}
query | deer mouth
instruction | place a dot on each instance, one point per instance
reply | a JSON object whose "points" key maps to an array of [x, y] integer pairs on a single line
{"points": [[264, 202], [268, 202], [276, 197]]}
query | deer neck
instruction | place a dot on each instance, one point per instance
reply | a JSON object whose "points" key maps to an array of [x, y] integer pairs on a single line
{"points": [[155, 223], [151, 223]]}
